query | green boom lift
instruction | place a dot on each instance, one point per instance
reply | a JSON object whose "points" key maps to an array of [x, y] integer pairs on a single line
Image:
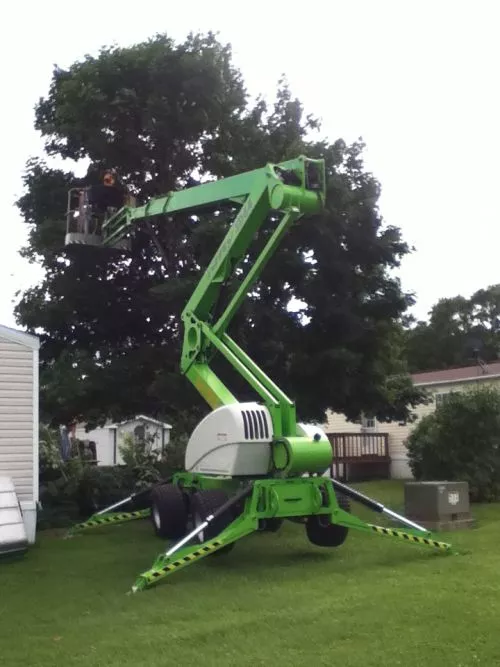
{"points": [[248, 465]]}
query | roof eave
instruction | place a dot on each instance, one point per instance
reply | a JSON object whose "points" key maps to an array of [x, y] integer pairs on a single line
{"points": [[21, 337], [140, 418], [456, 381]]}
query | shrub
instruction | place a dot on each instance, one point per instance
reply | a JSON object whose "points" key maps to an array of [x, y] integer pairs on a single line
{"points": [[141, 460], [176, 449], [77, 489], [461, 441], [73, 489]]}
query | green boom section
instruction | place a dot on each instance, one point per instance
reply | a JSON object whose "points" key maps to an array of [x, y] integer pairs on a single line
{"points": [[291, 190]]}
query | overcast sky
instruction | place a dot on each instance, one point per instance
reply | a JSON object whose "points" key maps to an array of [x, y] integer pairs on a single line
{"points": [[417, 80]]}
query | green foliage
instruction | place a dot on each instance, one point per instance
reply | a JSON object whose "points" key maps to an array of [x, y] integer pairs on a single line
{"points": [[461, 441], [75, 488], [175, 452], [139, 457], [49, 450], [459, 331], [166, 116]]}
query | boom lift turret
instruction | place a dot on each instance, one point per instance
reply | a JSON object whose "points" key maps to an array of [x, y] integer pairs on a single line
{"points": [[251, 465]]}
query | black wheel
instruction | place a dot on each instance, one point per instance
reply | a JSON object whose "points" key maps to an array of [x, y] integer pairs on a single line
{"points": [[169, 512], [322, 533], [271, 525], [142, 502], [205, 503]]}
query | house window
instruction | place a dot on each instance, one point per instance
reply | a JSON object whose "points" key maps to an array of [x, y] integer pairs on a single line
{"points": [[368, 423], [442, 397]]}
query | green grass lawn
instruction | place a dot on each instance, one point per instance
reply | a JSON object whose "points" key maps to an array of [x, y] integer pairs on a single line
{"points": [[274, 600]]}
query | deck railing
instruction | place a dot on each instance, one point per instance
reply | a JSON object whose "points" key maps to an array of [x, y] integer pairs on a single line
{"points": [[360, 455]]}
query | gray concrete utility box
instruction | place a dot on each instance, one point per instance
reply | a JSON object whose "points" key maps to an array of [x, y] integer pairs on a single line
{"points": [[438, 505]]}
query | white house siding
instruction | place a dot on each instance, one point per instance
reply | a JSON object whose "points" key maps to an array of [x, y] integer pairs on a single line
{"points": [[16, 416], [337, 423], [19, 419], [111, 437], [104, 441]]}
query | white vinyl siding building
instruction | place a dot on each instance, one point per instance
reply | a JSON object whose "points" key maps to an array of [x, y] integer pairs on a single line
{"points": [[19, 419], [439, 384], [109, 438]]}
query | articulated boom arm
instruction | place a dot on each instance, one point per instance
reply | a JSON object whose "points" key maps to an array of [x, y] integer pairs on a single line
{"points": [[294, 188], [213, 506]]}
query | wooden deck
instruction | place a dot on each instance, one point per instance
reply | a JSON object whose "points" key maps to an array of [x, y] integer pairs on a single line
{"points": [[360, 456]]}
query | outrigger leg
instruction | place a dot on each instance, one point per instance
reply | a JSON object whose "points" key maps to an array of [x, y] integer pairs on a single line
{"points": [[375, 505], [300, 498], [107, 516], [167, 562], [416, 535]]}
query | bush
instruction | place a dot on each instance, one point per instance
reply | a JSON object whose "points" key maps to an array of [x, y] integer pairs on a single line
{"points": [[461, 441], [74, 489], [78, 489], [140, 459]]}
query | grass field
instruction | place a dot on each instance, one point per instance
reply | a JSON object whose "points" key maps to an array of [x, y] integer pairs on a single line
{"points": [[275, 600]]}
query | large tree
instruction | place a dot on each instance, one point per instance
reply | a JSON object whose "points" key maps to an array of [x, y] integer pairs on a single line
{"points": [[167, 115], [460, 332]]}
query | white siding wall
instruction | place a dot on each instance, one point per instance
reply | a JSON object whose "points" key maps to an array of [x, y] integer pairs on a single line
{"points": [[337, 423], [397, 443], [103, 438], [17, 417]]}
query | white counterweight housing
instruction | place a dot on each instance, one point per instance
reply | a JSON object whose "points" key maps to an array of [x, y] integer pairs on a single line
{"points": [[235, 440]]}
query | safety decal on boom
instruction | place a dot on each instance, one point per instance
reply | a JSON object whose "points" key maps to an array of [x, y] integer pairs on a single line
{"points": [[410, 538]]}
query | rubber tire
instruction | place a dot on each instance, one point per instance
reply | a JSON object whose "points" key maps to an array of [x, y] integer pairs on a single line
{"points": [[169, 513], [205, 503], [322, 533], [271, 525], [141, 503]]}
